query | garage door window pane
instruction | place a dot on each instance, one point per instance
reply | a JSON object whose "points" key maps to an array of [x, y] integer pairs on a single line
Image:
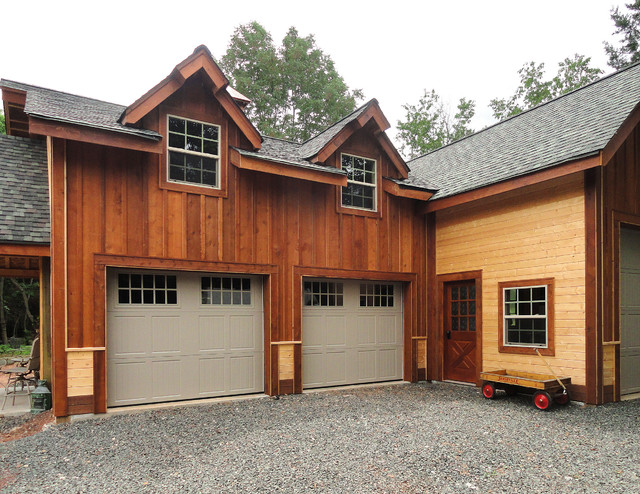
{"points": [[136, 289], [323, 294], [376, 295], [218, 290]]}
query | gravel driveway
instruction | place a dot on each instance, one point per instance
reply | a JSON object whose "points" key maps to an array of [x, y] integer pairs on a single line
{"points": [[399, 438]]}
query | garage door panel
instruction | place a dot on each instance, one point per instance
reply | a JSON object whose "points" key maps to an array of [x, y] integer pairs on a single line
{"points": [[165, 334], [386, 332], [629, 310], [188, 350], [212, 331], [335, 330], [336, 362], [350, 343], [242, 335], [211, 369], [166, 379], [313, 330], [130, 337], [366, 330], [366, 365]]}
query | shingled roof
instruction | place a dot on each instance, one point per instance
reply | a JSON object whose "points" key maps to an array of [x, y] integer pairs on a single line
{"points": [[576, 125], [73, 109], [24, 191]]}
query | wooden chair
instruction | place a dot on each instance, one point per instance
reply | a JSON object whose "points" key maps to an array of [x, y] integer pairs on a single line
{"points": [[23, 376]]}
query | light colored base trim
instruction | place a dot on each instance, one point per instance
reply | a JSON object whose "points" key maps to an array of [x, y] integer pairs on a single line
{"points": [[354, 386], [186, 403], [461, 383], [632, 396]]}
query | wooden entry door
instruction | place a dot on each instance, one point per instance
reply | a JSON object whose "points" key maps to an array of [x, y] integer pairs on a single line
{"points": [[460, 329]]}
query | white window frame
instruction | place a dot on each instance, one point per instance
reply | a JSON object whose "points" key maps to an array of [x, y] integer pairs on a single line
{"points": [[194, 153], [373, 186], [505, 316]]}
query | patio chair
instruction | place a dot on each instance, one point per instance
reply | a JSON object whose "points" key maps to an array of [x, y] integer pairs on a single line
{"points": [[23, 376]]}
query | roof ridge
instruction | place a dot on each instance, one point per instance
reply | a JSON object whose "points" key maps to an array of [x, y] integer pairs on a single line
{"points": [[529, 110], [338, 121], [61, 92], [282, 139]]}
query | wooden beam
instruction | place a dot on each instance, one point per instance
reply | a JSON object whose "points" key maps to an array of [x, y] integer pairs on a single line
{"points": [[19, 273], [621, 135], [396, 190], [290, 171], [513, 184], [392, 152], [94, 136], [32, 250], [336, 142], [151, 99], [238, 116]]}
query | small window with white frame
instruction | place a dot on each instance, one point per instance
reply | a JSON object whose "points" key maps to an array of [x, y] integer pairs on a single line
{"points": [[193, 152], [360, 192], [525, 316]]}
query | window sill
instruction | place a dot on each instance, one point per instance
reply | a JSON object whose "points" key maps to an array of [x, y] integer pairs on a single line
{"points": [[359, 212], [193, 189], [527, 350]]}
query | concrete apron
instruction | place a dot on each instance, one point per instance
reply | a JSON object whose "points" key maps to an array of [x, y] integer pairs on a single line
{"points": [[22, 404]]}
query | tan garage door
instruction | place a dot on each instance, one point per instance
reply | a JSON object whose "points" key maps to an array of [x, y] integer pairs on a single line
{"points": [[351, 332], [179, 336], [629, 311]]}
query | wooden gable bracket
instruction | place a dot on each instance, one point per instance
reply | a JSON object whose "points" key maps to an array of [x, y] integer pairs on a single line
{"points": [[199, 61], [291, 171], [373, 112]]}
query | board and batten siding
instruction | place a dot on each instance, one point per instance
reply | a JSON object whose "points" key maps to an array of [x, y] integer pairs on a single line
{"points": [[110, 202], [537, 232]]}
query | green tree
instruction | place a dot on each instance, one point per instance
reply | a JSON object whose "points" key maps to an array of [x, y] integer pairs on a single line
{"points": [[627, 25], [295, 89], [3, 129], [573, 73], [428, 124]]}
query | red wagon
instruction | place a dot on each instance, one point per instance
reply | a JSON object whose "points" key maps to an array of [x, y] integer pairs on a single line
{"points": [[548, 389]]}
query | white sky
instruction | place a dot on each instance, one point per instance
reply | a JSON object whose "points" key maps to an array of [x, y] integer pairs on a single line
{"points": [[392, 50]]}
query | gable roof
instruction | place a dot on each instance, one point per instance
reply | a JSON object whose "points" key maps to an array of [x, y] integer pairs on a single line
{"points": [[79, 110], [576, 125], [24, 191]]}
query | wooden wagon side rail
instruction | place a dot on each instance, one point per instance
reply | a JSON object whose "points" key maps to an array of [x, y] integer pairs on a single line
{"points": [[525, 379]]}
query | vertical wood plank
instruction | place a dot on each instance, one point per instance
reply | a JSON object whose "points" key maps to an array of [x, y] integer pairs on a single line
{"points": [[194, 233]]}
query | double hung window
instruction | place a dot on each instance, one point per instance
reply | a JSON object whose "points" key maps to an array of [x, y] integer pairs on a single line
{"points": [[360, 191]]}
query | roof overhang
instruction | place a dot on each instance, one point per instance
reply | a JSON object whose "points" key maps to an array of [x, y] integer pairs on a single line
{"points": [[550, 173], [330, 176], [199, 61], [621, 135], [404, 190], [15, 119]]}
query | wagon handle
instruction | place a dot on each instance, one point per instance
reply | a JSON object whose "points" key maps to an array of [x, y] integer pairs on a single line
{"points": [[549, 367]]}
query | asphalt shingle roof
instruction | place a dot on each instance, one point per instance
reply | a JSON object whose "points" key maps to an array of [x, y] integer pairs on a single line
{"points": [[24, 191], [70, 108], [575, 125]]}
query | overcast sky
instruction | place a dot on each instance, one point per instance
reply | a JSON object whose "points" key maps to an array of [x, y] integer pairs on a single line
{"points": [[392, 50]]}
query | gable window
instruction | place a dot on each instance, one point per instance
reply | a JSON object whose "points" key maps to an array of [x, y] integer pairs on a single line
{"points": [[527, 316], [193, 150], [360, 191]]}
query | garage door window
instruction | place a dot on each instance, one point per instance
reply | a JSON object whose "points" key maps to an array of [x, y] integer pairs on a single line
{"points": [[376, 295], [323, 294], [217, 290], [147, 289]]}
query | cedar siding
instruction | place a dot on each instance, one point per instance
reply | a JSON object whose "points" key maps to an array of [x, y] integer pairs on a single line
{"points": [[117, 211], [535, 232]]}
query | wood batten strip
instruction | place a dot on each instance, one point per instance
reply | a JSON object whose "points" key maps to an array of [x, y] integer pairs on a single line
{"points": [[33, 250]]}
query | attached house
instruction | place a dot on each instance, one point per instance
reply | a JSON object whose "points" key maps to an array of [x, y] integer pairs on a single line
{"points": [[182, 255]]}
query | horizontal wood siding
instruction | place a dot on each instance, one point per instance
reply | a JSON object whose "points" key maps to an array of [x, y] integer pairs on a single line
{"points": [[537, 232], [117, 205]]}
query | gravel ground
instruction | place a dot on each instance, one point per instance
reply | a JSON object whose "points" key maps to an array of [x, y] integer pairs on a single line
{"points": [[400, 438]]}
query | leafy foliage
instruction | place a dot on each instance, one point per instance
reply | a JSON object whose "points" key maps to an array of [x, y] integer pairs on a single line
{"points": [[627, 25], [295, 89], [573, 73], [428, 124], [19, 308], [3, 129]]}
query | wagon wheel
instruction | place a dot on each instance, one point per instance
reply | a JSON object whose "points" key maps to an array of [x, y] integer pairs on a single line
{"points": [[542, 400], [562, 398], [511, 390], [489, 390]]}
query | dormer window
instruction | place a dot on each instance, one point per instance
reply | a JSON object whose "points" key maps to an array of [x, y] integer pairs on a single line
{"points": [[360, 192], [193, 150]]}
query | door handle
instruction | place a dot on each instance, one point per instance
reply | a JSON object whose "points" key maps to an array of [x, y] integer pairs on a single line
{"points": [[448, 334]]}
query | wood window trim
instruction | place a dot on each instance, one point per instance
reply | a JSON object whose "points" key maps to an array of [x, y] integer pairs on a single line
{"points": [[528, 350], [223, 159], [378, 194]]}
